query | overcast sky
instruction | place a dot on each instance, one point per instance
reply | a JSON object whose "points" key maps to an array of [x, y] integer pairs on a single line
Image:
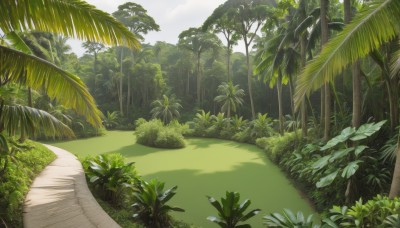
{"points": [[173, 16]]}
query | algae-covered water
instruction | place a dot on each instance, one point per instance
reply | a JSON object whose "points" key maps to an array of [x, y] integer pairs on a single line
{"points": [[204, 167]]}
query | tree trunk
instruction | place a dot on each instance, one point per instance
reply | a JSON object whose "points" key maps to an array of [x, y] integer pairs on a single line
{"points": [[395, 186], [303, 54], [279, 89], [229, 62], [394, 111], [121, 108], [327, 120], [249, 81], [198, 80], [30, 97], [357, 96], [324, 39], [188, 83]]}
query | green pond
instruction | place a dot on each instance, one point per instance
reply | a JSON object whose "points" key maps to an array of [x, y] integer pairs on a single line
{"points": [[204, 167]]}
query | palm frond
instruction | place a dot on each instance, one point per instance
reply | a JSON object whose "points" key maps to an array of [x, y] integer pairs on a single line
{"points": [[37, 73], [33, 122], [18, 43], [72, 18], [375, 24]]}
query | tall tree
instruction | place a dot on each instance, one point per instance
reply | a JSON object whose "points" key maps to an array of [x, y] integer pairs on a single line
{"points": [[94, 48], [248, 17], [135, 17], [326, 90], [219, 22], [197, 41], [354, 42], [356, 72], [69, 18]]}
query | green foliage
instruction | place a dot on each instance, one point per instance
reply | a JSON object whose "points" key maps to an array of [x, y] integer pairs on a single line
{"points": [[379, 212], [279, 147], [339, 157], [110, 176], [150, 205], [202, 122], [258, 128], [230, 212], [166, 109], [289, 219], [155, 134], [28, 160], [111, 120]]}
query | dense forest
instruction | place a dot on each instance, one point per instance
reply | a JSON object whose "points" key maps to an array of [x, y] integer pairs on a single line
{"points": [[317, 87]]}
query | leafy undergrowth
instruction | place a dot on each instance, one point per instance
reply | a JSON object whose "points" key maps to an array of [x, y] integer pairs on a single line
{"points": [[24, 165], [123, 216]]}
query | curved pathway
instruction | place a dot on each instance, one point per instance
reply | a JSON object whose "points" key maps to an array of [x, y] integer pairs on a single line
{"points": [[59, 197]]}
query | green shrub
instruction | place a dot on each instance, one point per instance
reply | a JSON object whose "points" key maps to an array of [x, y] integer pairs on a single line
{"points": [[380, 212], [146, 133], [155, 134], [278, 146], [168, 138], [27, 161], [111, 178], [150, 207], [230, 211]]}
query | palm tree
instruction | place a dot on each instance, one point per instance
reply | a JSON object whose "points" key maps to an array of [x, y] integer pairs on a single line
{"points": [[73, 18], [197, 41], [219, 22], [167, 109], [370, 28], [248, 16], [231, 97]]}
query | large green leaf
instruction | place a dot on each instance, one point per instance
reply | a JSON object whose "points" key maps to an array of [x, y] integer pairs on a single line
{"points": [[72, 18], [344, 136], [327, 180], [32, 122], [367, 130], [68, 89], [340, 154], [374, 25], [321, 163], [351, 169]]}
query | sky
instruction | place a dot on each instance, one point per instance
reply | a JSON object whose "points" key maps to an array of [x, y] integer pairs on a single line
{"points": [[173, 16]]}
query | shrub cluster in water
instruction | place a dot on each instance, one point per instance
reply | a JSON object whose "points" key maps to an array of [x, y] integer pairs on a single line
{"points": [[155, 134]]}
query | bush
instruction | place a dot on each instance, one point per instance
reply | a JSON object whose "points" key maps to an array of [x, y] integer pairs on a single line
{"points": [[378, 212], [27, 161], [111, 178], [150, 207], [278, 146], [155, 134], [168, 138]]}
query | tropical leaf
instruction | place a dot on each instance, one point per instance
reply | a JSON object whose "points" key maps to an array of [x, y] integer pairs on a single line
{"points": [[327, 180], [372, 26], [344, 136], [73, 18], [32, 122], [351, 169], [367, 130], [39, 74], [18, 43]]}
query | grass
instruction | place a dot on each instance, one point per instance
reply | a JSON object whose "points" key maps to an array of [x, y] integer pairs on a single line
{"points": [[24, 166], [204, 167]]}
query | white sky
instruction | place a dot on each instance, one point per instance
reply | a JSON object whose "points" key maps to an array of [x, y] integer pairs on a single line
{"points": [[173, 16]]}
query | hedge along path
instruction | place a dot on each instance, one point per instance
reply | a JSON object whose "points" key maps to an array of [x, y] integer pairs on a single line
{"points": [[204, 167], [59, 197]]}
